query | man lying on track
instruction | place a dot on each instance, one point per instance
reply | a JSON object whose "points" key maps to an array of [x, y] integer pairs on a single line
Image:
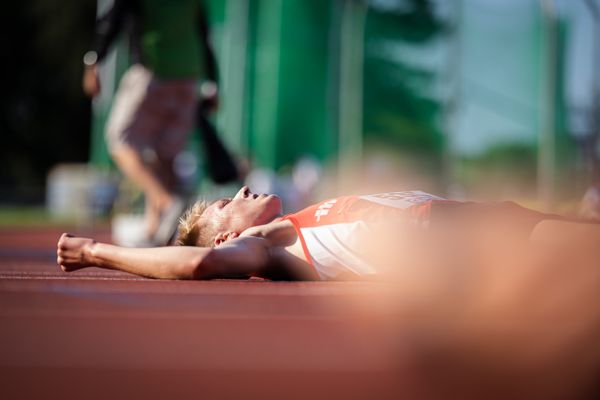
{"points": [[499, 301], [350, 237]]}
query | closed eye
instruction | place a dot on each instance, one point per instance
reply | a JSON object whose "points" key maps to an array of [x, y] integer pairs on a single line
{"points": [[224, 202]]}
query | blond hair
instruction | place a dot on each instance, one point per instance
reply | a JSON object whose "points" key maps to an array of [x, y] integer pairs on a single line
{"points": [[194, 232]]}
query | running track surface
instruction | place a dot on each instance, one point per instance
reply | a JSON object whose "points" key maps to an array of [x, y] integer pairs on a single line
{"points": [[98, 334]]}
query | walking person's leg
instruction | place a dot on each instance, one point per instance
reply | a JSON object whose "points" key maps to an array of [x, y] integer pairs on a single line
{"points": [[136, 121], [178, 99], [157, 195]]}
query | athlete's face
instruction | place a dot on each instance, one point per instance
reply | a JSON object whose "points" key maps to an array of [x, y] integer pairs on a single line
{"points": [[244, 210]]}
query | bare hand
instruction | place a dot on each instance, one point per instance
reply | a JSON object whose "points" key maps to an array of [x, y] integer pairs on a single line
{"points": [[209, 96], [73, 252], [91, 82]]}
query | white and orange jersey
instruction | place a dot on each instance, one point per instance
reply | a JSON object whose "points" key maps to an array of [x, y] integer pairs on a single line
{"points": [[330, 232]]}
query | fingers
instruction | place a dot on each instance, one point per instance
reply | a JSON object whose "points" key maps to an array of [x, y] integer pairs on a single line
{"points": [[65, 235], [71, 252], [61, 262], [60, 248], [63, 252], [62, 241]]}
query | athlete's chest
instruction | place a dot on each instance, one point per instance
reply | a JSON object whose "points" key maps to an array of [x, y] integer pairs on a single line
{"points": [[369, 208]]}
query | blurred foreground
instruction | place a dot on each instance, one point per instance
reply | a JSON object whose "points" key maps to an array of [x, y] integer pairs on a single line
{"points": [[524, 327]]}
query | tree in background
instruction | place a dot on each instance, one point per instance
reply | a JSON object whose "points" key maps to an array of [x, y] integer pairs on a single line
{"points": [[400, 107]]}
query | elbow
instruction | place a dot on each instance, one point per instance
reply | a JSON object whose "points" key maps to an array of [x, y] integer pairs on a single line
{"points": [[203, 267], [190, 268]]}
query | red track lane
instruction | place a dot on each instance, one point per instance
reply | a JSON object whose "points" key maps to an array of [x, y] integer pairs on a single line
{"points": [[103, 334]]}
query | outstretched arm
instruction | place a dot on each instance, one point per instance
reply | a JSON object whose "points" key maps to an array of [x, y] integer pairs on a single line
{"points": [[238, 257]]}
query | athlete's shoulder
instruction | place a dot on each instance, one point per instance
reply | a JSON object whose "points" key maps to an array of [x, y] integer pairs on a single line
{"points": [[279, 232]]}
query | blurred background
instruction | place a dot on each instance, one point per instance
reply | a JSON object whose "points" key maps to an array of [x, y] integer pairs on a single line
{"points": [[472, 99]]}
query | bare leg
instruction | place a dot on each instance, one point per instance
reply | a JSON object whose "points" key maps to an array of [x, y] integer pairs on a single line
{"points": [[158, 197], [166, 173]]}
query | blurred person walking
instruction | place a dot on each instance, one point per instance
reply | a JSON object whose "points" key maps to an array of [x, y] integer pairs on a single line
{"points": [[156, 103]]}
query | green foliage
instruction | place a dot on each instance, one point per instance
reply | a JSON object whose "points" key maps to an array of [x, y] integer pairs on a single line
{"points": [[503, 171], [399, 106], [411, 21], [510, 171]]}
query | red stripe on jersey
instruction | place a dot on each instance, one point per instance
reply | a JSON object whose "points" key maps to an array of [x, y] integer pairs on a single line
{"points": [[349, 209], [294, 222], [322, 248]]}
